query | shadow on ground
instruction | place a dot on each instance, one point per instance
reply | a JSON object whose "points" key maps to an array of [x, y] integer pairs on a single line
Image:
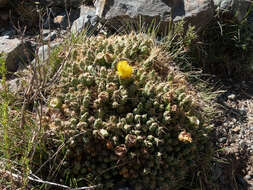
{"points": [[231, 168]]}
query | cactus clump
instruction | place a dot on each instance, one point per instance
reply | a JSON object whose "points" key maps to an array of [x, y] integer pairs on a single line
{"points": [[130, 116]]}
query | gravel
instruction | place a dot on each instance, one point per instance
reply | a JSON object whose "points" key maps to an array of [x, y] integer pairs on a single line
{"points": [[234, 136]]}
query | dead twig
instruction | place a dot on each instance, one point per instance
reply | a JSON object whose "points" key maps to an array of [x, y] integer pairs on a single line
{"points": [[59, 148]]}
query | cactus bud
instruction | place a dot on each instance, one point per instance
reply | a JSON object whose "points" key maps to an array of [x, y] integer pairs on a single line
{"points": [[127, 128], [55, 102], [194, 121], [97, 123], [82, 125], [115, 105], [129, 118], [104, 96], [111, 87], [104, 133], [120, 150], [130, 140]]}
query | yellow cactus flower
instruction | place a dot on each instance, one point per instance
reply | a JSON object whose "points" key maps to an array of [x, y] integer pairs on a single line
{"points": [[185, 137], [124, 70]]}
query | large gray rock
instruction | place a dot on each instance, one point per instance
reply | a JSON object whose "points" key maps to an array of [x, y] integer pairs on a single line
{"points": [[15, 53], [195, 12], [88, 20], [3, 3], [238, 8]]}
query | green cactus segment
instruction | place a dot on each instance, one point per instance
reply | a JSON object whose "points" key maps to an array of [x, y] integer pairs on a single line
{"points": [[125, 130]]}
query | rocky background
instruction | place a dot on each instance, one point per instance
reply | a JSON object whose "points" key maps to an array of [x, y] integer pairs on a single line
{"points": [[29, 28], [51, 19]]}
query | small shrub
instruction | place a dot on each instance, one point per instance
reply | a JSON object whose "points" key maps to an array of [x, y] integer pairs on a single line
{"points": [[227, 47]]}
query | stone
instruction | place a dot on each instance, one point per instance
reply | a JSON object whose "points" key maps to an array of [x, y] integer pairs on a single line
{"points": [[49, 35], [44, 52], [13, 85], [222, 140], [231, 97], [15, 52], [247, 177], [236, 129], [3, 3], [88, 19], [116, 13], [84, 9], [61, 20]]}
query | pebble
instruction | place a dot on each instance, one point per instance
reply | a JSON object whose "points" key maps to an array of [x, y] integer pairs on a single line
{"points": [[231, 96], [225, 124], [222, 139], [50, 37], [243, 144], [236, 129], [243, 110], [247, 177]]}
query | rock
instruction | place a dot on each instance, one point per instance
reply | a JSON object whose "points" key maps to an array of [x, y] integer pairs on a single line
{"points": [[84, 9], [5, 37], [3, 3], [222, 140], [15, 53], [64, 20], [243, 144], [87, 19], [44, 52], [233, 149], [231, 97], [238, 8], [236, 129], [116, 13], [14, 85], [61, 20], [48, 35]]}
